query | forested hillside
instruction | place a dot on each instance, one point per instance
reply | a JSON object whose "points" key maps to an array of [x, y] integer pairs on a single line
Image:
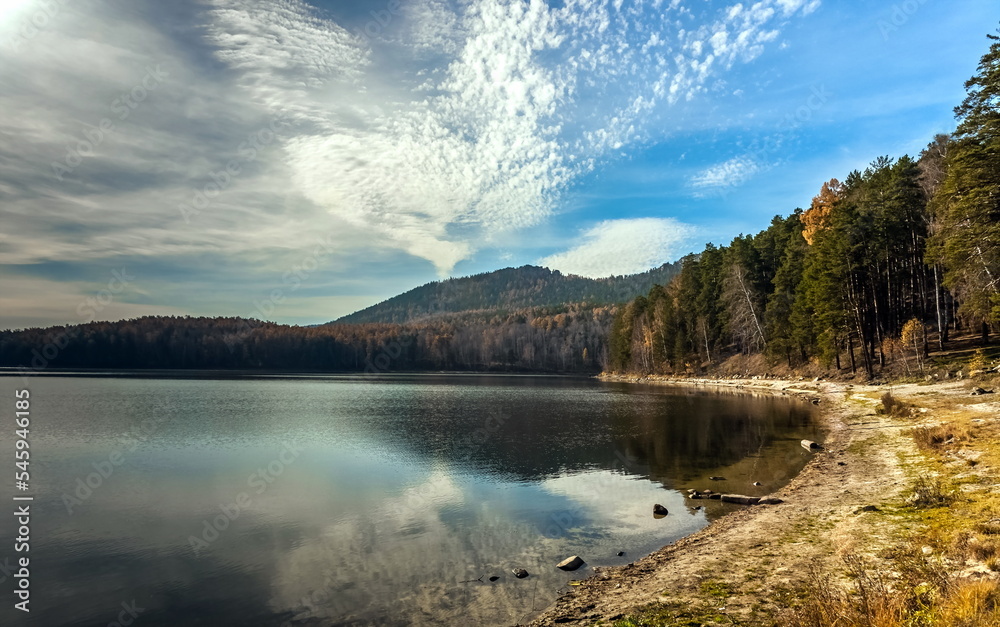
{"points": [[516, 319], [882, 263], [557, 339], [508, 290]]}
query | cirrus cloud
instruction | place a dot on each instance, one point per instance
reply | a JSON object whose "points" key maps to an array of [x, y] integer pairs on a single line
{"points": [[623, 246]]}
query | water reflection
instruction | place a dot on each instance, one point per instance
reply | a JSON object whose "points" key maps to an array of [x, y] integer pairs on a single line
{"points": [[407, 490]]}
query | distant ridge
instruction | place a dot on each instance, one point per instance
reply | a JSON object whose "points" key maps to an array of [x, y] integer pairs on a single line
{"points": [[510, 289]]}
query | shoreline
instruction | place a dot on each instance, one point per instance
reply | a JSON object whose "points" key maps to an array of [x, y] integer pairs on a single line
{"points": [[740, 568]]}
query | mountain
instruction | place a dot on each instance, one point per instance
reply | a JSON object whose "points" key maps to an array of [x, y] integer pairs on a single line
{"points": [[508, 290]]}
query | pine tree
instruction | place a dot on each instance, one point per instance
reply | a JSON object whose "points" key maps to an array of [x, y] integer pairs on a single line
{"points": [[967, 204]]}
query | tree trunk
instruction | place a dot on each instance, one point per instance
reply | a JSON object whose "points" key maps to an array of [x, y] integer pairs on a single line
{"points": [[942, 329], [850, 351]]}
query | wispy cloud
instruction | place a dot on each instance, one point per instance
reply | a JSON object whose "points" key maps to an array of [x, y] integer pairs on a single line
{"points": [[725, 175], [623, 247], [455, 122]]}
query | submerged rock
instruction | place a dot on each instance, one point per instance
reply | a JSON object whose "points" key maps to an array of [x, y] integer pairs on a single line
{"points": [[520, 573], [570, 563], [740, 499], [659, 510]]}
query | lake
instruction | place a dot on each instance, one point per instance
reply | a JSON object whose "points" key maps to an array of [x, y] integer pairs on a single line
{"points": [[364, 500]]}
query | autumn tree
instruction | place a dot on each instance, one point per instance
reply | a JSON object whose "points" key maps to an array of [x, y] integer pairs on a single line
{"points": [[817, 217]]}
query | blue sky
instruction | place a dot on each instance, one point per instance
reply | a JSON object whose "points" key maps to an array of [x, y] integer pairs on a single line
{"points": [[296, 162]]}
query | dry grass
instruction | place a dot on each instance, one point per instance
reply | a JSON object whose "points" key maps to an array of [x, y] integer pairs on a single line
{"points": [[929, 492], [892, 406], [934, 438], [904, 590], [972, 604]]}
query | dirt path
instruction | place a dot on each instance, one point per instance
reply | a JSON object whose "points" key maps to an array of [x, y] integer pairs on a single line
{"points": [[745, 566]]}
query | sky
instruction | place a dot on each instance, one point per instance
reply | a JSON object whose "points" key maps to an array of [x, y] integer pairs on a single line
{"points": [[295, 161]]}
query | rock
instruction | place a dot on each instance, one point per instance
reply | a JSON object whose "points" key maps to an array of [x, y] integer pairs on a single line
{"points": [[659, 510], [841, 463], [520, 573], [770, 500], [620, 553], [814, 401], [740, 499], [809, 445], [695, 495], [698, 507], [867, 508], [570, 563], [494, 578], [717, 478], [980, 391], [757, 483], [715, 496]]}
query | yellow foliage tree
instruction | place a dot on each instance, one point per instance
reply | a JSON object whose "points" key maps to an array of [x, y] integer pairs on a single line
{"points": [[817, 217]]}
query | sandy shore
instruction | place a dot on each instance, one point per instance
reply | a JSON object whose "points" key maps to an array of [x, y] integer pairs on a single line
{"points": [[743, 566]]}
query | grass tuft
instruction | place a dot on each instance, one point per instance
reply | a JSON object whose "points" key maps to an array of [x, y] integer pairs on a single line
{"points": [[892, 406], [934, 438], [930, 492]]}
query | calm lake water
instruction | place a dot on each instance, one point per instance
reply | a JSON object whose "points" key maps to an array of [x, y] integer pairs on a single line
{"points": [[359, 500]]}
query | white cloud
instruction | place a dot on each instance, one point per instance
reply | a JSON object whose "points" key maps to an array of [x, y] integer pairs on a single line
{"points": [[791, 6], [531, 97], [732, 173], [623, 246], [462, 120]]}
